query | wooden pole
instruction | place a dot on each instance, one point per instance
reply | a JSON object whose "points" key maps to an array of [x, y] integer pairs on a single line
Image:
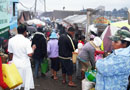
{"points": [[44, 5], [129, 16], [35, 9]]}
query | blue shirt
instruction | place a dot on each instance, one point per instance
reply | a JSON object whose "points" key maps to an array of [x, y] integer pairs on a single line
{"points": [[114, 70]]}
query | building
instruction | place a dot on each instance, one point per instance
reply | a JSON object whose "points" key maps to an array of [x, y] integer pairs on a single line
{"points": [[8, 17]]}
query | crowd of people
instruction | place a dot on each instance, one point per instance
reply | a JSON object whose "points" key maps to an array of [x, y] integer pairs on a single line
{"points": [[112, 70]]}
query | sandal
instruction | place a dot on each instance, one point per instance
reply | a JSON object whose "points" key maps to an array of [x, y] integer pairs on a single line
{"points": [[55, 78], [72, 84]]}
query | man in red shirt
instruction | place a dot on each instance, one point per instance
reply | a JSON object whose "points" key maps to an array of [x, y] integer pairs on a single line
{"points": [[2, 83]]}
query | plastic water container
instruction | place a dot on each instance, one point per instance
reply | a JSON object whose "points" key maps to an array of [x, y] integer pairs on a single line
{"points": [[11, 75]]}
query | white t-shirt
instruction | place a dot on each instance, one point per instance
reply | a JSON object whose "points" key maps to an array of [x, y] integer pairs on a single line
{"points": [[20, 47]]}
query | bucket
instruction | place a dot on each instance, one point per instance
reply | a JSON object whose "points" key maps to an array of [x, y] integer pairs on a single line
{"points": [[74, 57]]}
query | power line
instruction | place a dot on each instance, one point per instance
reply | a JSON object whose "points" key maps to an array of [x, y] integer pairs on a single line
{"points": [[44, 2], [41, 2], [26, 6]]}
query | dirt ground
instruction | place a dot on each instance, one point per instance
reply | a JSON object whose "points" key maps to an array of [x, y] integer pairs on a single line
{"points": [[47, 83]]}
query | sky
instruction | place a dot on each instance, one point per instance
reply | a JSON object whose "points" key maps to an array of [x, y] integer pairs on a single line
{"points": [[73, 4]]}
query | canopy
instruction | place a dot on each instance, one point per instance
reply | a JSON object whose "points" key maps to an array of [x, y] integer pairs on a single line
{"points": [[80, 20], [35, 21], [121, 24], [31, 29], [101, 21]]}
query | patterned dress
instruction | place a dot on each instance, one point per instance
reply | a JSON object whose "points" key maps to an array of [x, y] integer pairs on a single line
{"points": [[114, 70]]}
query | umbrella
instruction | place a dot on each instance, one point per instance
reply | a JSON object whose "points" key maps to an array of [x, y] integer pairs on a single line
{"points": [[109, 31], [31, 29], [35, 21]]}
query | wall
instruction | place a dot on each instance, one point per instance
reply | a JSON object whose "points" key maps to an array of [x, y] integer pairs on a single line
{"points": [[4, 17], [8, 21]]}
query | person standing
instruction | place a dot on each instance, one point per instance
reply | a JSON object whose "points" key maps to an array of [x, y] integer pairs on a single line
{"points": [[41, 51], [20, 51], [66, 47], [86, 56], [53, 54], [113, 71], [81, 43]]}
